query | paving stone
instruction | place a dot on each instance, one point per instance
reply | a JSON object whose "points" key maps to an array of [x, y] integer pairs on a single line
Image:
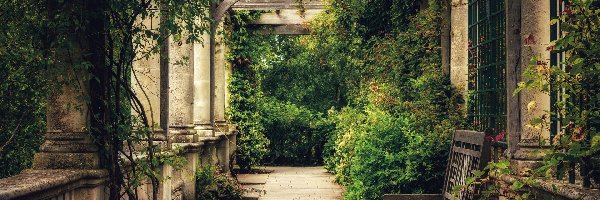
{"points": [[295, 183]]}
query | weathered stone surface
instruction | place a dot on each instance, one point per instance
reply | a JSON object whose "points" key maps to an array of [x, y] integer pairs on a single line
{"points": [[555, 189], [459, 45], [67, 151], [292, 183], [219, 80], [40, 184]]}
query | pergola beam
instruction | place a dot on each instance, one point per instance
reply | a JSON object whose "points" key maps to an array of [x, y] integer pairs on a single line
{"points": [[286, 17], [278, 5], [291, 29]]}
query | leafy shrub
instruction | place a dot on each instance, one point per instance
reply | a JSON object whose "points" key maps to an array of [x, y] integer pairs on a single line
{"points": [[339, 151], [296, 134], [23, 72], [392, 157], [211, 184], [394, 135], [252, 144]]}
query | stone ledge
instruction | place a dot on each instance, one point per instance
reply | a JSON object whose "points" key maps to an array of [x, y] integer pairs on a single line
{"points": [[559, 188], [208, 139], [40, 184]]}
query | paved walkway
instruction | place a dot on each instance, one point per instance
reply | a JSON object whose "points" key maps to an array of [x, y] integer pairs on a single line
{"points": [[293, 183]]}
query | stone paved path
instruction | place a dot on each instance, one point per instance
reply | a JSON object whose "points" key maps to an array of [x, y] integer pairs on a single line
{"points": [[293, 183]]}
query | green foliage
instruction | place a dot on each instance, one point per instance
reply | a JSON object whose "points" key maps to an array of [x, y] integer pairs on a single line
{"points": [[244, 87], [252, 144], [211, 184], [392, 157], [297, 134], [375, 93], [403, 109], [22, 83]]}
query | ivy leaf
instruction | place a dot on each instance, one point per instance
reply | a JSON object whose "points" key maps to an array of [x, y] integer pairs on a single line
{"points": [[517, 185]]}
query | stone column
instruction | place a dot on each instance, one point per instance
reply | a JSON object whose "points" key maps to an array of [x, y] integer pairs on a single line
{"points": [[513, 74], [181, 92], [535, 38], [221, 129], [459, 42], [68, 144], [220, 85], [145, 83], [202, 100], [202, 87]]}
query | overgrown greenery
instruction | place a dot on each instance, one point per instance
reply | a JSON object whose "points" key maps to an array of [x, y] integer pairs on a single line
{"points": [[375, 92], [22, 84], [212, 184], [244, 89]]}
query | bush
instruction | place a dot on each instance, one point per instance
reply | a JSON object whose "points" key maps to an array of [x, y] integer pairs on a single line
{"points": [[252, 145], [392, 157], [23, 85], [211, 184], [296, 134]]}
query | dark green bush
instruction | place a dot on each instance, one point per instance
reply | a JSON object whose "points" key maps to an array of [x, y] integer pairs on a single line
{"points": [[22, 84], [296, 134], [211, 184], [252, 144]]}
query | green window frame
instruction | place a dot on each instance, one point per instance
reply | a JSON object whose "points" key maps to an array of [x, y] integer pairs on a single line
{"points": [[487, 65], [556, 8]]}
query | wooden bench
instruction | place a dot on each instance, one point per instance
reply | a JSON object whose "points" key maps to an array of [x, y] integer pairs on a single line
{"points": [[469, 152]]}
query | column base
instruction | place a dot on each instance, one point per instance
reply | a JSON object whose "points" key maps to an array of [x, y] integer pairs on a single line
{"points": [[183, 134], [528, 157], [67, 151], [204, 130]]}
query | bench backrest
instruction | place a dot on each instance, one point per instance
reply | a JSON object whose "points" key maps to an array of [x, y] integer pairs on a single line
{"points": [[469, 152]]}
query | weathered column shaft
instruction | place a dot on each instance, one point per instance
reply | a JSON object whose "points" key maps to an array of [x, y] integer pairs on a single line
{"points": [[181, 92], [202, 86], [220, 85], [513, 73], [146, 82], [535, 38], [181, 88], [459, 51]]}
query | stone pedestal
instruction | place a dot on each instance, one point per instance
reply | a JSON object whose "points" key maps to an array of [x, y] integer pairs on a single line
{"points": [[209, 152], [223, 151]]}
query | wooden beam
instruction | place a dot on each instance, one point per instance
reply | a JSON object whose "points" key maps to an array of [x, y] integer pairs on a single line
{"points": [[287, 17], [278, 4], [292, 29]]}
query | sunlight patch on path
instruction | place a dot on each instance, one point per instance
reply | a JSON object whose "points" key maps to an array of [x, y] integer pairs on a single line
{"points": [[294, 183]]}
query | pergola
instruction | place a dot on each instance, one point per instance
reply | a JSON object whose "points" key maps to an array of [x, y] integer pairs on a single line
{"points": [[283, 17]]}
